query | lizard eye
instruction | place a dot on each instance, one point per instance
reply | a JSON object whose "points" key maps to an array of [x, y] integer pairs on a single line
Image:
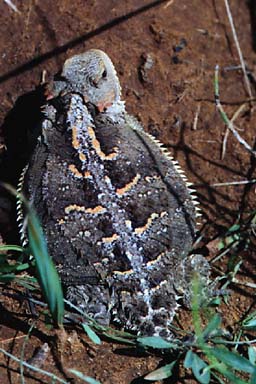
{"points": [[94, 82]]}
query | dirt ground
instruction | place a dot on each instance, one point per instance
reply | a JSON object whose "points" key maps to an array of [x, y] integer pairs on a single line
{"points": [[174, 99]]}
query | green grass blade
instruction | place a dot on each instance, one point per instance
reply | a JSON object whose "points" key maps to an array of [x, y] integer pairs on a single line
{"points": [[226, 372], [81, 376], [233, 359], [189, 358], [113, 337], [252, 354], [212, 326], [91, 334], [47, 274], [199, 371], [161, 373], [156, 342], [7, 278], [6, 268], [15, 248], [198, 367], [250, 324], [253, 379]]}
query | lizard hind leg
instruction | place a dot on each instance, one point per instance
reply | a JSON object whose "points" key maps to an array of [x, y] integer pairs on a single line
{"points": [[93, 300]]}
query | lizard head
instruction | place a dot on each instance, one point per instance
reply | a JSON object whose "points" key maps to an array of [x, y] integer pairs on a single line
{"points": [[93, 75]]}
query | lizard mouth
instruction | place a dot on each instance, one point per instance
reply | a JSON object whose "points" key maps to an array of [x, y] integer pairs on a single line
{"points": [[105, 102]]}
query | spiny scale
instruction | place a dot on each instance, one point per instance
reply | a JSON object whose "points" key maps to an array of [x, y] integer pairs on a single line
{"points": [[21, 220], [117, 211]]}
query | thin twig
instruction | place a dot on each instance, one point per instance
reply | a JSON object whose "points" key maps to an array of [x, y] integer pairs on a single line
{"points": [[232, 68], [228, 183], [247, 83], [11, 339], [246, 283], [28, 18], [246, 342], [222, 254], [12, 6], [168, 4], [196, 117], [234, 117], [225, 117], [23, 352], [233, 280], [43, 372], [24, 297]]}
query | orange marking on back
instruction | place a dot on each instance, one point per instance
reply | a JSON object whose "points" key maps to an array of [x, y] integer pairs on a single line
{"points": [[79, 208], [96, 210], [87, 174], [75, 142], [128, 186], [74, 207], [82, 156], [152, 262], [129, 272], [97, 147], [75, 171], [140, 230], [110, 239]]}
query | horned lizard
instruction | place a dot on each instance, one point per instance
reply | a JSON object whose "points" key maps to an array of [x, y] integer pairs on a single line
{"points": [[118, 213]]}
